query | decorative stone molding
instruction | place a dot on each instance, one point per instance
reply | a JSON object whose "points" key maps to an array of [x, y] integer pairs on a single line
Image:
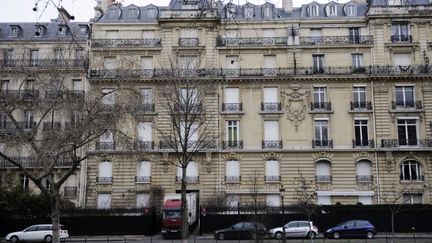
{"points": [[232, 156], [363, 155], [271, 155], [322, 155], [295, 103]]}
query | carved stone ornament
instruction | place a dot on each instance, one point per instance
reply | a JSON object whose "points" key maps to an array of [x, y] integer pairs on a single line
{"points": [[322, 155], [389, 161], [165, 162], [295, 103], [271, 155], [363, 155]]}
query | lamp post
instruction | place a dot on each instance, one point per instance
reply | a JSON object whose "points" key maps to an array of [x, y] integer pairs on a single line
{"points": [[282, 191]]}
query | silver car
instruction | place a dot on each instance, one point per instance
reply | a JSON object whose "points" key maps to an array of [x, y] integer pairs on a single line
{"points": [[39, 232], [295, 229]]}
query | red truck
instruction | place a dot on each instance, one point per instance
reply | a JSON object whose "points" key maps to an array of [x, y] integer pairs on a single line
{"points": [[171, 219]]}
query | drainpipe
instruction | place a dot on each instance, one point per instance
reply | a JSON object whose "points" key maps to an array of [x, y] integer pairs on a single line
{"points": [[377, 174]]}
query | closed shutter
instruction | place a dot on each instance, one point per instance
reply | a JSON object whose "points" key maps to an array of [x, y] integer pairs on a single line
{"points": [[105, 169], [189, 33], [232, 95], [232, 168], [147, 63], [104, 201], [107, 137], [402, 59], [145, 131], [365, 200], [272, 168], [363, 168], [273, 200], [142, 200], [147, 96], [323, 168], [271, 130], [144, 168], [270, 95], [270, 65], [192, 169]]}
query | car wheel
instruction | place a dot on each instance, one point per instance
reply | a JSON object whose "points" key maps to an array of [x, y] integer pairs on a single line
{"points": [[311, 235], [221, 236], [369, 235], [14, 239], [278, 235], [336, 235], [254, 236], [48, 239]]}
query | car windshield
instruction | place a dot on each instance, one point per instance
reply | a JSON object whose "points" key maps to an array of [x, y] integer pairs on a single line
{"points": [[172, 214], [31, 228]]}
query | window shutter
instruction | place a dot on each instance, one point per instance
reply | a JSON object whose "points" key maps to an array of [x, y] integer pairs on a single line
{"points": [[147, 63], [145, 131], [105, 169], [232, 168], [269, 61], [322, 168], [272, 168], [142, 200], [402, 59], [104, 201], [270, 95], [273, 200], [363, 168], [192, 169], [232, 95], [271, 130], [144, 168]]}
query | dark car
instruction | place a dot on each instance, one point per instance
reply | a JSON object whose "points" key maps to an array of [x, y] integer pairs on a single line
{"points": [[242, 230], [351, 229]]}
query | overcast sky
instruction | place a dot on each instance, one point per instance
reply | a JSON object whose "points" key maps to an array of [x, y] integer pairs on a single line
{"points": [[22, 10]]}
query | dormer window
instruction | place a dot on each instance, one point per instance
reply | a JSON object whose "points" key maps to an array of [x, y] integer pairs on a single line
{"points": [[248, 12], [268, 12], [132, 13], [39, 31], [113, 13], [14, 31], [332, 10], [151, 13], [351, 10], [230, 11], [83, 30], [313, 10], [62, 30]]}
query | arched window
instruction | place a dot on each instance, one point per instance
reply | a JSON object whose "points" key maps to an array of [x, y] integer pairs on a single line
{"points": [[364, 170], [232, 170], [411, 170], [323, 171], [143, 172], [192, 173], [272, 170], [105, 172]]}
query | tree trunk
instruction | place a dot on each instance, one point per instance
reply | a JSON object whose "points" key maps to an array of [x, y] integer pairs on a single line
{"points": [[392, 227], [55, 215], [184, 211]]}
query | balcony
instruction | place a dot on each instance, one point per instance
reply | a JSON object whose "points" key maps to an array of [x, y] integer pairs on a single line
{"points": [[189, 179], [75, 94], [19, 94], [104, 180], [232, 107], [11, 128], [272, 144], [144, 145], [401, 70], [122, 73], [395, 143], [401, 38], [70, 192], [363, 143], [30, 161], [322, 143], [105, 146], [144, 108], [142, 179], [146, 42], [51, 126], [364, 178], [43, 63], [252, 42], [270, 107], [188, 42], [321, 106], [232, 179], [323, 178], [406, 105], [336, 40], [232, 144], [272, 178], [361, 106]]}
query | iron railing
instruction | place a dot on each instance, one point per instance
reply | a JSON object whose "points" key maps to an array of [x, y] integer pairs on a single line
{"points": [[189, 179], [51, 126], [363, 105], [272, 144], [272, 178], [144, 108], [321, 106], [232, 178], [19, 94], [188, 42], [146, 179], [10, 127], [146, 42], [232, 144], [271, 106], [393, 143], [252, 41], [357, 143], [232, 107], [364, 178], [401, 38], [144, 145], [44, 63], [417, 105], [105, 146], [323, 178], [336, 40], [322, 143], [70, 192], [104, 180], [31, 161]]}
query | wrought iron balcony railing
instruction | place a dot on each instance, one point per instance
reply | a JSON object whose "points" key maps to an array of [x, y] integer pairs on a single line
{"points": [[123, 73], [51, 126], [321, 106], [188, 42], [11, 128], [323, 178], [394, 143], [363, 105], [273, 178], [19, 94], [336, 40], [145, 179], [144, 145], [357, 143], [31, 161], [44, 63], [144, 108], [271, 106], [75, 94], [232, 178], [253, 41], [105, 146], [401, 38], [322, 143], [407, 105], [401, 70], [104, 180], [232, 144], [232, 107], [272, 144], [70, 192], [364, 178], [146, 42], [189, 179]]}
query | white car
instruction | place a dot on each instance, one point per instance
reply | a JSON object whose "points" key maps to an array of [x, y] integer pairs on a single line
{"points": [[295, 229], [39, 232]]}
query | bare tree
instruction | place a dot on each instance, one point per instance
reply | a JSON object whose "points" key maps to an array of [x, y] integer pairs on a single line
{"points": [[305, 200], [186, 128]]}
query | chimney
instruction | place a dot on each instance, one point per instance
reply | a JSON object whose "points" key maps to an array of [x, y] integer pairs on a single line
{"points": [[287, 6], [64, 16], [106, 4]]}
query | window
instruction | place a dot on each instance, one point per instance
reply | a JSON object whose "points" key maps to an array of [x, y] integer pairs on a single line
{"points": [[105, 172], [232, 65], [404, 96], [332, 10], [28, 119], [359, 98], [270, 99], [271, 134], [24, 180], [268, 12], [142, 200], [189, 99], [188, 37], [76, 85], [230, 11], [147, 96], [104, 201], [232, 100], [232, 171], [318, 63], [316, 35], [8, 57], [407, 132], [364, 170], [132, 13], [272, 170], [4, 85], [248, 12], [273, 200], [354, 35], [147, 64], [402, 59], [319, 95], [143, 172], [188, 63], [233, 133], [270, 65], [83, 30], [313, 10], [394, 2], [411, 170], [40, 31], [357, 61], [400, 32], [151, 12], [113, 13], [323, 171], [412, 198], [233, 201], [192, 174], [34, 57], [361, 133], [188, 134], [351, 10], [108, 97], [321, 133], [62, 30], [14, 31], [58, 54], [106, 141], [145, 132], [79, 54]]}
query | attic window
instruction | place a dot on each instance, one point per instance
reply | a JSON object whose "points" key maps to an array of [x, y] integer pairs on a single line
{"points": [[62, 30], [39, 31], [350, 10], [268, 12], [83, 30], [14, 31], [230, 11], [313, 10], [132, 13], [113, 13], [332, 10], [151, 12], [248, 12]]}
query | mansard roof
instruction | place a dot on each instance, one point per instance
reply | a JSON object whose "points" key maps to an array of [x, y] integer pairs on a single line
{"points": [[117, 13]]}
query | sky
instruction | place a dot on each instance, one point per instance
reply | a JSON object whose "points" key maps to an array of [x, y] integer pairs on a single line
{"points": [[82, 10]]}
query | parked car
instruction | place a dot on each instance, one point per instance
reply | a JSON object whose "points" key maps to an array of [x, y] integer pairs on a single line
{"points": [[351, 228], [242, 230], [39, 232], [295, 229]]}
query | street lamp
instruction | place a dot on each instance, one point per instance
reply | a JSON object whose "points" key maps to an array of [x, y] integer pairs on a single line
{"points": [[282, 191]]}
